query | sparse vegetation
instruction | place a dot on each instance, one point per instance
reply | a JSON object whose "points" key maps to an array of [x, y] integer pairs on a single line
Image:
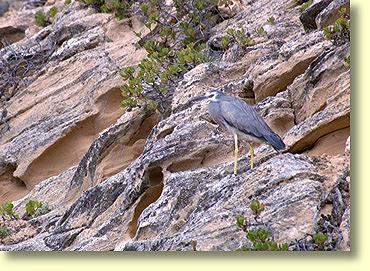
{"points": [[40, 18], [174, 46], [67, 2], [4, 231], [340, 27], [257, 208], [320, 239], [36, 208], [260, 238], [271, 20], [306, 5], [347, 60], [236, 35], [120, 8], [53, 12], [260, 31], [7, 211]]}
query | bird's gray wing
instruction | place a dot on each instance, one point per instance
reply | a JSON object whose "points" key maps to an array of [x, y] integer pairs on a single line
{"points": [[245, 118]]}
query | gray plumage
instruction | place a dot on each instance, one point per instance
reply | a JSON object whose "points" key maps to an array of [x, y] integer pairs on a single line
{"points": [[241, 119]]}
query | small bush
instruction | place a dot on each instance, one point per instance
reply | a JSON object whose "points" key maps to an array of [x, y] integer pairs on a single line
{"points": [[40, 18], [175, 46], [256, 207], [67, 2], [36, 208], [4, 231], [341, 26], [271, 20], [53, 12], [7, 212], [260, 238], [236, 35], [260, 31], [319, 239]]}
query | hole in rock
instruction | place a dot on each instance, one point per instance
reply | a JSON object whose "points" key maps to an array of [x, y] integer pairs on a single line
{"points": [[11, 188], [70, 148], [10, 35], [165, 132], [281, 82], [123, 152], [331, 144], [154, 178]]}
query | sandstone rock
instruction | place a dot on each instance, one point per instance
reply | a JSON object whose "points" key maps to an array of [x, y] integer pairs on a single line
{"points": [[143, 181], [330, 14], [51, 104]]}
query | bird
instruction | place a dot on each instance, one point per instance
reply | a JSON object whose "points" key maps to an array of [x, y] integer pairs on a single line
{"points": [[241, 120]]}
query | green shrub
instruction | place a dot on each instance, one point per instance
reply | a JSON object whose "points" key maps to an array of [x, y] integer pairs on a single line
{"points": [[67, 2], [341, 25], [36, 208], [237, 35], [261, 241], [256, 207], [260, 238], [175, 47], [4, 231], [7, 212], [53, 12], [319, 239], [260, 31], [40, 18]]}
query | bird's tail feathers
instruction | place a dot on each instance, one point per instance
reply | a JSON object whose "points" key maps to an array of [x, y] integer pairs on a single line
{"points": [[275, 141]]}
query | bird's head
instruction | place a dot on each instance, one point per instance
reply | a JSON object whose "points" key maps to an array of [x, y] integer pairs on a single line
{"points": [[211, 96]]}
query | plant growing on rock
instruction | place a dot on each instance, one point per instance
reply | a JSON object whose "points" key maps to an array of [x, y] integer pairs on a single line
{"points": [[340, 28], [236, 35], [256, 207], [174, 45], [320, 239], [42, 19], [7, 211], [118, 7], [271, 20], [4, 231], [36, 208], [53, 11], [260, 238], [260, 31]]}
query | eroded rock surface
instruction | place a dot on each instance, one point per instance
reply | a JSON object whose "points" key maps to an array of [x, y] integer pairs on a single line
{"points": [[138, 180]]}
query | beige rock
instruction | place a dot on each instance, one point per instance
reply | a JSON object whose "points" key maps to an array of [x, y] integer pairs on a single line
{"points": [[229, 8]]}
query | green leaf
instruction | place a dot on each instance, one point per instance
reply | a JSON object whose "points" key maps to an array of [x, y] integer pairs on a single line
{"points": [[319, 238], [53, 12], [32, 206]]}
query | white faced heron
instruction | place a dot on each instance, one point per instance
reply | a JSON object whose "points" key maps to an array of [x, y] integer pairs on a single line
{"points": [[241, 120]]}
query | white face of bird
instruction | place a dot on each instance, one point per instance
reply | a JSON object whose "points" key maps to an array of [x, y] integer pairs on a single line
{"points": [[213, 95]]}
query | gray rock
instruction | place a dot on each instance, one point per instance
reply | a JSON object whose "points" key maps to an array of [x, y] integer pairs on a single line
{"points": [[308, 16], [330, 14]]}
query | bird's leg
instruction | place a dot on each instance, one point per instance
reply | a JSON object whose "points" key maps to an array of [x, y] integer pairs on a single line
{"points": [[236, 151], [251, 152]]}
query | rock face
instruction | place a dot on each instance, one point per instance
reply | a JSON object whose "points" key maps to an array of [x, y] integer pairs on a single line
{"points": [[119, 180]]}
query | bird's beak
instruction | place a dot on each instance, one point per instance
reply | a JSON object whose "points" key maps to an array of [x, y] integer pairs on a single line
{"points": [[197, 99]]}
